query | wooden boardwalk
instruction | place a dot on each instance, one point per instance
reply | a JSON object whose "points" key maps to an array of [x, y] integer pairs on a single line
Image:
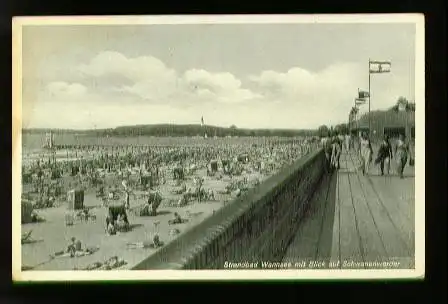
{"points": [[358, 222]]}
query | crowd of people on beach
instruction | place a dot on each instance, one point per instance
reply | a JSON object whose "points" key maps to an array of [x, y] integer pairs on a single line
{"points": [[114, 171], [105, 168]]}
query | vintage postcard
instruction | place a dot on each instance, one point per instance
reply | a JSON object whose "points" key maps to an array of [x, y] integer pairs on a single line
{"points": [[218, 147]]}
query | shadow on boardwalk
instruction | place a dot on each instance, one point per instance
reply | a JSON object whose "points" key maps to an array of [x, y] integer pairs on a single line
{"points": [[362, 222], [313, 240]]}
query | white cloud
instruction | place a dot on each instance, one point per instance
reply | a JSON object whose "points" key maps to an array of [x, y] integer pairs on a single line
{"points": [[218, 82], [303, 86], [151, 80], [327, 96], [222, 87], [62, 89], [135, 69]]}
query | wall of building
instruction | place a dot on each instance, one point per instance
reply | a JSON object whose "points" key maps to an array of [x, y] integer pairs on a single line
{"points": [[381, 120]]}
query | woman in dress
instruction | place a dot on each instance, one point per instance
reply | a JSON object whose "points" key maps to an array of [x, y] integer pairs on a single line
{"points": [[402, 152], [366, 153], [348, 142]]}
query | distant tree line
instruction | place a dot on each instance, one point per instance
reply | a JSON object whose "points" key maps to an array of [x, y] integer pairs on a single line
{"points": [[340, 129], [198, 130], [171, 130], [405, 104]]}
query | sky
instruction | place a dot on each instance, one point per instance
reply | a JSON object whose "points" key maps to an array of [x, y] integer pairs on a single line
{"points": [[294, 76]]}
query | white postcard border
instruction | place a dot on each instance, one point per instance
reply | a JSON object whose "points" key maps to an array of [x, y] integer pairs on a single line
{"points": [[170, 275]]}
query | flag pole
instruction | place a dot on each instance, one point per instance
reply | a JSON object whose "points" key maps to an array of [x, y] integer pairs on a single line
{"points": [[369, 99], [350, 118], [356, 118], [356, 115], [353, 120]]}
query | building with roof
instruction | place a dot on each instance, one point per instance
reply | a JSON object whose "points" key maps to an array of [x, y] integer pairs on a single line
{"points": [[391, 122]]}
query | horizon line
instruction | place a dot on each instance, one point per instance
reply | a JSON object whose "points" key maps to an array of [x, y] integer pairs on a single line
{"points": [[164, 124]]}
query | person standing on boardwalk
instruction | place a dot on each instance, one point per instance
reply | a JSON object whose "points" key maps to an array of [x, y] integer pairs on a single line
{"points": [[327, 146], [384, 155], [358, 144], [347, 142], [336, 152], [365, 152], [402, 152]]}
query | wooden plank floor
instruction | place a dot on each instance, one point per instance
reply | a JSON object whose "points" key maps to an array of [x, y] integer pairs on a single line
{"points": [[359, 220]]}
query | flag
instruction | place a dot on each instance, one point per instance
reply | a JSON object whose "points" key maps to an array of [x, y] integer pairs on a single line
{"points": [[363, 94], [202, 120], [379, 67], [360, 101]]}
